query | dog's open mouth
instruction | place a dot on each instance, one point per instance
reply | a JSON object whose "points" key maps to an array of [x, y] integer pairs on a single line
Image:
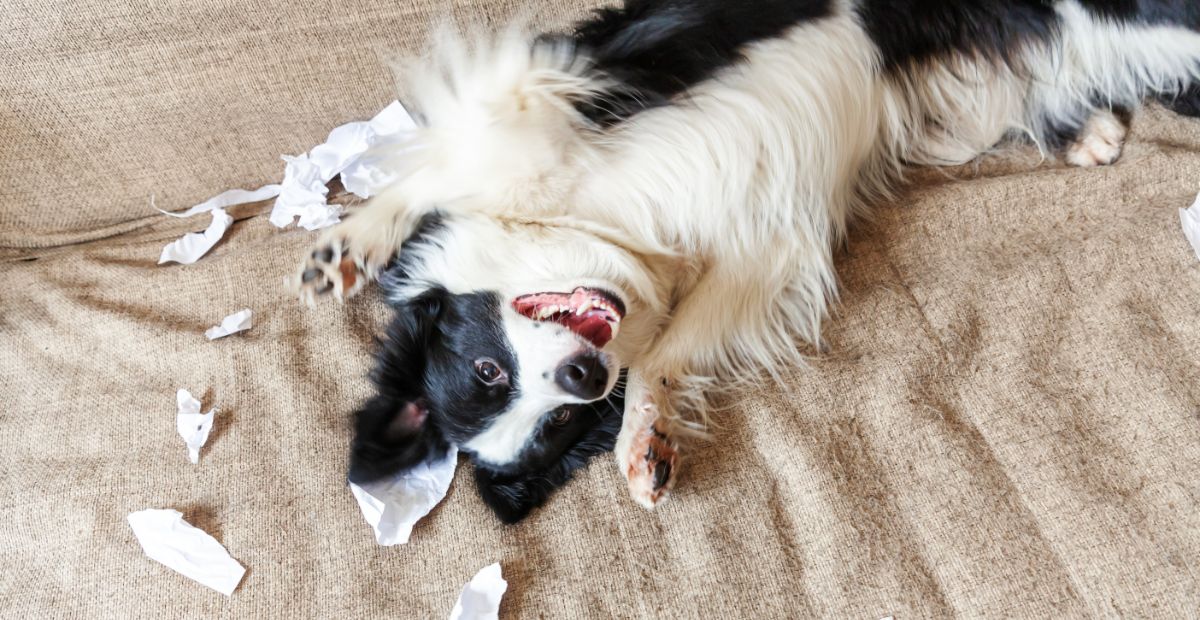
{"points": [[593, 314]]}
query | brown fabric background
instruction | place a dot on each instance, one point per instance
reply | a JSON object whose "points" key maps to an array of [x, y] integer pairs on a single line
{"points": [[1008, 424]]}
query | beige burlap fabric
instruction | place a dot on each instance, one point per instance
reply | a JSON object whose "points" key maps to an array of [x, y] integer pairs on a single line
{"points": [[1008, 423]]}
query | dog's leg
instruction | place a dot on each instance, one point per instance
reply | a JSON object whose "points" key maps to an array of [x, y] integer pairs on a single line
{"points": [[1100, 140], [726, 326], [646, 454], [356, 251]]}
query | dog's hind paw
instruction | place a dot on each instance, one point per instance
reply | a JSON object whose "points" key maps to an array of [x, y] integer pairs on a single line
{"points": [[1099, 142], [346, 258]]}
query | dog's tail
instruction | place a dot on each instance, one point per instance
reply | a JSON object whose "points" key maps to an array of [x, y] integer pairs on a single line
{"points": [[500, 126]]}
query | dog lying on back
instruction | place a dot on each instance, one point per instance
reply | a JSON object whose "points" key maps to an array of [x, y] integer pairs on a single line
{"points": [[593, 231]]}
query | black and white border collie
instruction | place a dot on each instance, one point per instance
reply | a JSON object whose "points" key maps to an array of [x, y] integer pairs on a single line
{"points": [[658, 195]]}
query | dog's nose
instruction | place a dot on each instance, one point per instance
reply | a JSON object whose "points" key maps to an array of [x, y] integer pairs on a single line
{"points": [[583, 375]]}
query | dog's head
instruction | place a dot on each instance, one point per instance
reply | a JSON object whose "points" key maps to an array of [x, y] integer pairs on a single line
{"points": [[508, 341]]}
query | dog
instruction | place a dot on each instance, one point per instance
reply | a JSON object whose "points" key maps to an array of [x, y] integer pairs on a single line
{"points": [[594, 231]]}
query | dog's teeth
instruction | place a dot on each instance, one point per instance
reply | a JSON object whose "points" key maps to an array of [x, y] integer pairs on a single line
{"points": [[587, 305]]}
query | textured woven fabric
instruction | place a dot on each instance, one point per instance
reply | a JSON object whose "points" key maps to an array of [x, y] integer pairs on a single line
{"points": [[1007, 423]]}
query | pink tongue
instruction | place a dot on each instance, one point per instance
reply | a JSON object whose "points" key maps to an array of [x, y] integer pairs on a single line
{"points": [[591, 327]]}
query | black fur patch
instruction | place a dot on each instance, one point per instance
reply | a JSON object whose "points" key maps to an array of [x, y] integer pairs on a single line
{"points": [[558, 452], [657, 49], [426, 233], [1184, 13], [1186, 103], [914, 31]]}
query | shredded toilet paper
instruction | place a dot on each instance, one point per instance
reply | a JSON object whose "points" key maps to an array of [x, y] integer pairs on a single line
{"points": [[229, 198], [1190, 219], [168, 539], [354, 150], [192, 425], [480, 599], [392, 507], [351, 150], [369, 173], [192, 246], [232, 324]]}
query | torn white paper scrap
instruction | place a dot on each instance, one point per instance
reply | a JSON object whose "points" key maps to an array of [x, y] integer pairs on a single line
{"points": [[369, 174], [304, 191], [344, 144], [1190, 218], [303, 196], [192, 246], [480, 599], [192, 425], [228, 199], [394, 506], [170, 540], [232, 324], [349, 142], [392, 120], [366, 177]]}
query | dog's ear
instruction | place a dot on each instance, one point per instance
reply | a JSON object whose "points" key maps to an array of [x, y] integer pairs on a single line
{"points": [[391, 437], [393, 431], [513, 496]]}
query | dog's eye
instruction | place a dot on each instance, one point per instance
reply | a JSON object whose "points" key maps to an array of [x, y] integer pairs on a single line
{"points": [[561, 417], [488, 371]]}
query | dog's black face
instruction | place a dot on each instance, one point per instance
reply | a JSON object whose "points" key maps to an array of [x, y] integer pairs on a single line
{"points": [[448, 374]]}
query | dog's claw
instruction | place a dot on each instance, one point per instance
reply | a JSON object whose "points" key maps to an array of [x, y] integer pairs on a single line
{"points": [[662, 473]]}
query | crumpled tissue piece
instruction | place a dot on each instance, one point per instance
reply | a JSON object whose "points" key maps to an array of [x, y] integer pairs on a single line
{"points": [[232, 324], [394, 506], [480, 599], [347, 152], [192, 425], [228, 199], [188, 550], [1190, 219], [192, 246], [369, 173], [303, 196]]}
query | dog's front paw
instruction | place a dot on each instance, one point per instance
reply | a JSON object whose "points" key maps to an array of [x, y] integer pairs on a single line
{"points": [[648, 456], [652, 467], [341, 263]]}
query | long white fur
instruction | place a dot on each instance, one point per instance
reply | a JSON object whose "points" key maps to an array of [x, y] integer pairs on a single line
{"points": [[750, 182]]}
